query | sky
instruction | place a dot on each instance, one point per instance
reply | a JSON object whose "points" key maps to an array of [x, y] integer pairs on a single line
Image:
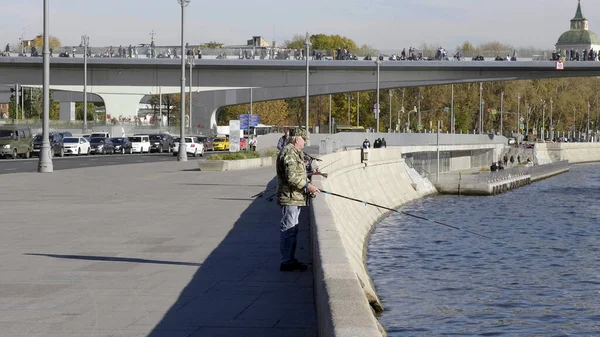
{"points": [[383, 24]]}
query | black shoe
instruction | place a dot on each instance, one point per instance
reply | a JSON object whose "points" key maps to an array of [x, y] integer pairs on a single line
{"points": [[294, 266]]}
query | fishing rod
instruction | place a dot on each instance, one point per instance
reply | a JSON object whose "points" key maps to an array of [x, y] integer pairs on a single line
{"points": [[412, 215]]}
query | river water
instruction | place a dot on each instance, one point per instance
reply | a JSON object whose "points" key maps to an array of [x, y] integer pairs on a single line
{"points": [[540, 277]]}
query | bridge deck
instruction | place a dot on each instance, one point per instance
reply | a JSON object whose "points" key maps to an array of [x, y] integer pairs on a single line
{"points": [[156, 249]]}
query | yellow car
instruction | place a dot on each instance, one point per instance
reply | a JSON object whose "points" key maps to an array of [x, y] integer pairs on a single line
{"points": [[221, 144]]}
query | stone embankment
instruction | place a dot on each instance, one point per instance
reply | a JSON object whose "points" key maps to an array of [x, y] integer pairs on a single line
{"points": [[344, 293], [345, 297]]}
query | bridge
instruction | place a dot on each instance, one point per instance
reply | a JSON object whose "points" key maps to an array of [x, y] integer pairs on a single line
{"points": [[122, 83]]}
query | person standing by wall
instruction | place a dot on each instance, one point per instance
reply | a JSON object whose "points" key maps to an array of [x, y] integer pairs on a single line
{"points": [[283, 140], [293, 189]]}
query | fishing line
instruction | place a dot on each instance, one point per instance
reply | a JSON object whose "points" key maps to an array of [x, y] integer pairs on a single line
{"points": [[415, 216]]}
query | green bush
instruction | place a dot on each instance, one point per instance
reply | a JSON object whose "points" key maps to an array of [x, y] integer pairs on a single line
{"points": [[271, 153], [235, 156]]}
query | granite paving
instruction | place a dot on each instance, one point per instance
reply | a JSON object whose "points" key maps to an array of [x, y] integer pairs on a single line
{"points": [[153, 250]]}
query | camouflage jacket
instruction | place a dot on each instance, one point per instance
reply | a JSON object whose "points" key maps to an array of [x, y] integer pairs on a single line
{"points": [[291, 177]]}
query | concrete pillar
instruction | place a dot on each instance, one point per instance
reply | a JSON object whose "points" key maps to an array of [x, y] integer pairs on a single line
{"points": [[67, 111], [121, 105]]}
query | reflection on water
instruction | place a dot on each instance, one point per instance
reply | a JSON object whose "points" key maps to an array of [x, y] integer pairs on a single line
{"points": [[543, 279]]}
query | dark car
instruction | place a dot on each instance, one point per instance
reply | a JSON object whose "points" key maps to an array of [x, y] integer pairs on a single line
{"points": [[122, 145], [56, 143], [160, 142], [207, 141], [65, 134], [101, 145]]}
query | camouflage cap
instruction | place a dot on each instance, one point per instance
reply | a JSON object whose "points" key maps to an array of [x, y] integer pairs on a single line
{"points": [[299, 132]]}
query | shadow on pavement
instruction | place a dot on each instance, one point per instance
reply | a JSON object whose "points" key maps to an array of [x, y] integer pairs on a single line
{"points": [[239, 291], [115, 259], [235, 185]]}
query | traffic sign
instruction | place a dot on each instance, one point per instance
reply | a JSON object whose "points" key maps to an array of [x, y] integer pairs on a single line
{"points": [[407, 124], [254, 120], [446, 109], [522, 119], [494, 111], [243, 117], [522, 126], [419, 127], [375, 106]]}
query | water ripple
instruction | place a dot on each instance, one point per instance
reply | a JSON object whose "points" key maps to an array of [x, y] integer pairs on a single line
{"points": [[545, 281]]}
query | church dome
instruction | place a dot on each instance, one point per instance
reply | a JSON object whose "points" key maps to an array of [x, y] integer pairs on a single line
{"points": [[578, 37]]}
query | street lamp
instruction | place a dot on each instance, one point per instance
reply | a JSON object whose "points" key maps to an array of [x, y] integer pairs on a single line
{"points": [[518, 116], [501, 110], [85, 43], [45, 162], [307, 44], [390, 129], [349, 99], [587, 136], [551, 122], [543, 117], [378, 62], [452, 122], [480, 108], [182, 155], [191, 63]]}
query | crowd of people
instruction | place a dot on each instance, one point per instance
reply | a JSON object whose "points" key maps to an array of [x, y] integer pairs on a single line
{"points": [[575, 55]]}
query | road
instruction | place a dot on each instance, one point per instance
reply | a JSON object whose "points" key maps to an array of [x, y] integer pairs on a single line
{"points": [[8, 166]]}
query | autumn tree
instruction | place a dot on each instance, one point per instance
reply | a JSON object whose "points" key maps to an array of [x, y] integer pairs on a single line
{"points": [[212, 45], [38, 41], [322, 42]]}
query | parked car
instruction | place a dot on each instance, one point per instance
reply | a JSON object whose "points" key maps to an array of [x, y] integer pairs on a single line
{"points": [[76, 146], [140, 143], [101, 145], [192, 146], [66, 134], [161, 142], [100, 135], [207, 142], [122, 145], [56, 143], [15, 141], [221, 144]]}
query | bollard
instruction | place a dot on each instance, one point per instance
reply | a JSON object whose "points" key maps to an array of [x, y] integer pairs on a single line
{"points": [[364, 155]]}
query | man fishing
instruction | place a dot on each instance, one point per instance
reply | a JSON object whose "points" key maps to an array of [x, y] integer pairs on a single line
{"points": [[293, 189]]}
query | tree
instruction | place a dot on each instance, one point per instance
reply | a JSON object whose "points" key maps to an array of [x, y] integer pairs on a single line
{"points": [[212, 45], [38, 41], [169, 101], [322, 42], [271, 113], [91, 111]]}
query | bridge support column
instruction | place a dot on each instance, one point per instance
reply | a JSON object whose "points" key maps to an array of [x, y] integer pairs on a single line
{"points": [[121, 105], [67, 111]]}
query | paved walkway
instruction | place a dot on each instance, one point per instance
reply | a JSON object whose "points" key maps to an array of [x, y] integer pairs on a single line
{"points": [[157, 250]]}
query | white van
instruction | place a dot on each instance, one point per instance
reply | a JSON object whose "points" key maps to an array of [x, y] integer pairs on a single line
{"points": [[140, 143]]}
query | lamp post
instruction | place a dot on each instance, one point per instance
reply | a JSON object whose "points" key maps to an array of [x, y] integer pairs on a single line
{"points": [[349, 99], [45, 162], [378, 62], [182, 155], [307, 44], [191, 63], [419, 127], [390, 129], [358, 109], [85, 43], [587, 136], [480, 108], [551, 122], [501, 110], [543, 117], [330, 129], [452, 111], [518, 117]]}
